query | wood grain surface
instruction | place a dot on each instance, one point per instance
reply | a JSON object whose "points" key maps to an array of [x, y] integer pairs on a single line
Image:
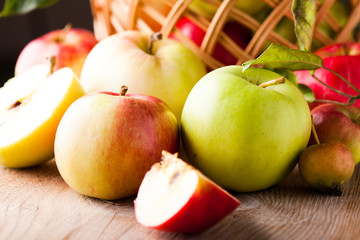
{"points": [[35, 203]]}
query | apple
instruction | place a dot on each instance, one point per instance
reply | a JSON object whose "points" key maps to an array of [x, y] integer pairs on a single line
{"points": [[327, 166], [31, 106], [70, 46], [251, 7], [176, 197], [165, 69], [338, 123], [340, 12], [237, 32], [343, 58], [106, 142], [242, 129]]}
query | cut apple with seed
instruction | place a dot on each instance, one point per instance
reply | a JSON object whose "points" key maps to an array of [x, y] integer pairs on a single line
{"points": [[31, 106], [176, 197]]}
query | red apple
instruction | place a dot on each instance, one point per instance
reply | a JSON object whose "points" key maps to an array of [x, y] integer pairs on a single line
{"points": [[327, 166], [70, 46], [343, 58], [176, 197], [335, 122], [238, 33], [106, 142]]}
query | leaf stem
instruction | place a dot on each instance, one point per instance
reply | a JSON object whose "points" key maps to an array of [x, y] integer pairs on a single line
{"points": [[330, 87], [342, 78]]}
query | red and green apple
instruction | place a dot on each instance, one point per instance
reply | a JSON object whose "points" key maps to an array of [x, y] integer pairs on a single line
{"points": [[106, 142]]}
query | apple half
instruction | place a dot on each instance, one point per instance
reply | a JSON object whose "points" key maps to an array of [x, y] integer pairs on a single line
{"points": [[31, 106], [176, 197]]}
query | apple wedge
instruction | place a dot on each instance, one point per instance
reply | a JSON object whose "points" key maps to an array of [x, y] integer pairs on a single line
{"points": [[176, 197], [31, 106]]}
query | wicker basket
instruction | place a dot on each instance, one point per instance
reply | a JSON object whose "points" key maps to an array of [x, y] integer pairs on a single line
{"points": [[112, 16]]}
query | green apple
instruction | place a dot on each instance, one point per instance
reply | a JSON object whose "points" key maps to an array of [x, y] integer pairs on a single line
{"points": [[165, 69], [251, 7], [176, 197], [243, 131], [106, 142], [31, 106]]}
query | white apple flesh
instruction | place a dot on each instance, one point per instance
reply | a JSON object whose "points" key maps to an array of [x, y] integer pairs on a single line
{"points": [[31, 107], [106, 142], [176, 197]]}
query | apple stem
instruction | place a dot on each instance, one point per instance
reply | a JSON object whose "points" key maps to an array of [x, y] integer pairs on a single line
{"points": [[154, 37], [272, 82], [123, 91], [52, 61], [63, 33], [314, 131]]}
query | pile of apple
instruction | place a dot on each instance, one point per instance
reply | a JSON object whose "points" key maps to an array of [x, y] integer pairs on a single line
{"points": [[116, 113]]}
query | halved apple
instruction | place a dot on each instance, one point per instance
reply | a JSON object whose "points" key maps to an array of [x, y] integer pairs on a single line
{"points": [[31, 106], [176, 197]]}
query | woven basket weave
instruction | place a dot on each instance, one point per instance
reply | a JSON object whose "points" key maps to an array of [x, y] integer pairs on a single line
{"points": [[112, 16]]}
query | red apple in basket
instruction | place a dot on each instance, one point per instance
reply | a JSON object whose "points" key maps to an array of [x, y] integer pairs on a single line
{"points": [[175, 196], [343, 58], [335, 122], [106, 142], [238, 33], [70, 46]]}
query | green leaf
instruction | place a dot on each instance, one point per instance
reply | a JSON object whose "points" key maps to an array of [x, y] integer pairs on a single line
{"points": [[277, 56], [307, 92], [14, 7], [304, 12]]}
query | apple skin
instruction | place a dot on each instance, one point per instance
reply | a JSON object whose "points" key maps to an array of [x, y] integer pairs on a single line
{"points": [[168, 73], [27, 130], [69, 46], [251, 7], [205, 204], [343, 58], [327, 166], [334, 122], [238, 33], [242, 136], [106, 142]]}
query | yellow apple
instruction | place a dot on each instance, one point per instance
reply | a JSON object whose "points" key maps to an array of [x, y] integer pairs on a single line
{"points": [[163, 68], [31, 106]]}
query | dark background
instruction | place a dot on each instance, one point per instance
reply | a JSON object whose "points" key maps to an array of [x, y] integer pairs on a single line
{"points": [[17, 31]]}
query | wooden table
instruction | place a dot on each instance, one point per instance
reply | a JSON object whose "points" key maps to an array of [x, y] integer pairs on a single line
{"points": [[36, 203]]}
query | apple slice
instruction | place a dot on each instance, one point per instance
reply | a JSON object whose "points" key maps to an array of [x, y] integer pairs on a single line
{"points": [[176, 197], [31, 106]]}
